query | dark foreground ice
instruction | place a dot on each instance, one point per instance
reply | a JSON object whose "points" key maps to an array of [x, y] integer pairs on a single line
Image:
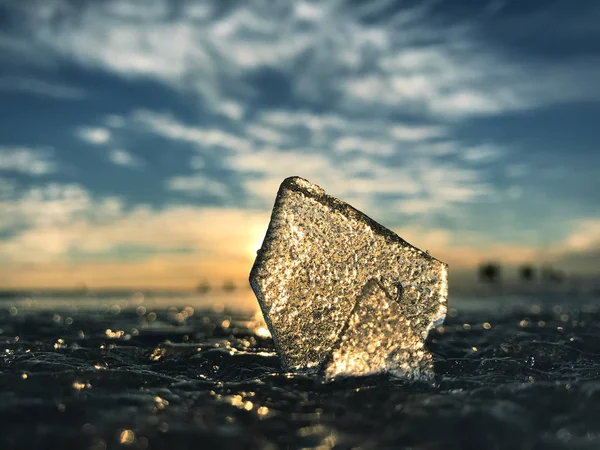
{"points": [[167, 373]]}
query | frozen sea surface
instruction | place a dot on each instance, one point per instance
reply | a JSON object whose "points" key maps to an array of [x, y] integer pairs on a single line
{"points": [[169, 372]]}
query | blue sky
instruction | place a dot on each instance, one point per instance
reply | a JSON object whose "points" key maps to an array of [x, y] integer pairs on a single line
{"points": [[142, 142]]}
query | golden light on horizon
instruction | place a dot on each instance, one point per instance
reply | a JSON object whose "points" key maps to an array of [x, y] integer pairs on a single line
{"points": [[256, 242]]}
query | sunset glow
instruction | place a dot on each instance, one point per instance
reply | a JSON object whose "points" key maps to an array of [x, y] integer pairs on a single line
{"points": [[144, 146]]}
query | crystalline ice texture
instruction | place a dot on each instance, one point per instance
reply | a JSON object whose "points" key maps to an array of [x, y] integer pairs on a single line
{"points": [[378, 338], [318, 255]]}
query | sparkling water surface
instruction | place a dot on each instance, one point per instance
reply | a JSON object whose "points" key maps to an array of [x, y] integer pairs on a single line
{"points": [[200, 371]]}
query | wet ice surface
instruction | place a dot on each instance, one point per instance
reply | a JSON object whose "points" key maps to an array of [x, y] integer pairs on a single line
{"points": [[167, 373]]}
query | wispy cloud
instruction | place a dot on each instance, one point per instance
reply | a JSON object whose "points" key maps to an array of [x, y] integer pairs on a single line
{"points": [[53, 204], [94, 135], [221, 233], [266, 134], [283, 118], [374, 111], [482, 153], [57, 226], [168, 127], [77, 235], [124, 158], [451, 79], [585, 235], [366, 182], [416, 133], [363, 145], [369, 162], [199, 185], [34, 162], [335, 57]]}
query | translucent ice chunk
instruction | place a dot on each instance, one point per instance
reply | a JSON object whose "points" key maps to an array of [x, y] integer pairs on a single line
{"points": [[379, 338], [316, 259]]}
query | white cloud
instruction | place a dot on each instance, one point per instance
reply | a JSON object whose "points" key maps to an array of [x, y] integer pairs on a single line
{"points": [[63, 220], [290, 118], [420, 186], [350, 158], [55, 220], [443, 188], [441, 81], [94, 135], [420, 206], [167, 126], [585, 235], [53, 204], [123, 158], [360, 77], [382, 128], [309, 11], [416, 133], [198, 185], [325, 51], [482, 153], [263, 171], [27, 161], [202, 243], [371, 146], [384, 166], [272, 161], [231, 109], [265, 134]]}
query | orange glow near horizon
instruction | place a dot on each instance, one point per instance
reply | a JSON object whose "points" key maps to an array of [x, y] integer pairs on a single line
{"points": [[256, 243], [222, 247]]}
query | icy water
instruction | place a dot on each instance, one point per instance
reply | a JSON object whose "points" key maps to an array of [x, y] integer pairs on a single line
{"points": [[173, 372]]}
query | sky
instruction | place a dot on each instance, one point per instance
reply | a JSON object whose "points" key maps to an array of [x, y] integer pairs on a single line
{"points": [[142, 142]]}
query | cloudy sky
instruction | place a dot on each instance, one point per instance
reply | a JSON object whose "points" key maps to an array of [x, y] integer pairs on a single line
{"points": [[142, 142]]}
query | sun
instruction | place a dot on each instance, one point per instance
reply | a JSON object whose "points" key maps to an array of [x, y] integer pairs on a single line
{"points": [[256, 242]]}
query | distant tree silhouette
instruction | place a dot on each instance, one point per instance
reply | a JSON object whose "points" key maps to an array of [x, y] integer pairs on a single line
{"points": [[229, 286], [203, 287], [527, 273], [489, 272]]}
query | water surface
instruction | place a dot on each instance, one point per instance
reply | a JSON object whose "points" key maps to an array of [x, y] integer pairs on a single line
{"points": [[173, 371]]}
